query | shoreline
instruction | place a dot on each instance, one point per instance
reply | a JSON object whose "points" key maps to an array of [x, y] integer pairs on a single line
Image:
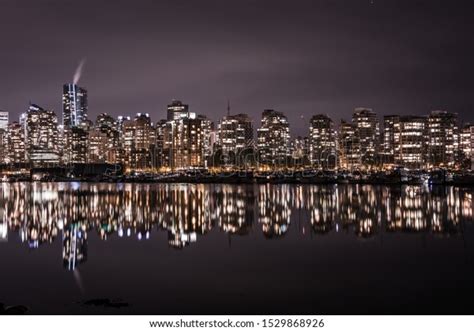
{"points": [[395, 177], [245, 181]]}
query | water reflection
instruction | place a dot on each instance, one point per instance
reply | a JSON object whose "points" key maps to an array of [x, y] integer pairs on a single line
{"points": [[39, 212], [74, 245], [274, 209]]}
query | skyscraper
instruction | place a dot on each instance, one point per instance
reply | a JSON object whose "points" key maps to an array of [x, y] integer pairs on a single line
{"points": [[208, 138], [163, 136], [16, 151], [74, 105], [388, 139], [322, 142], [300, 151], [349, 146], [3, 146], [3, 120], [176, 110], [465, 140], [76, 144], [184, 139], [368, 132], [138, 142], [121, 120], [41, 135], [188, 141], [273, 138], [442, 138], [405, 140], [106, 120], [235, 133], [104, 141]]}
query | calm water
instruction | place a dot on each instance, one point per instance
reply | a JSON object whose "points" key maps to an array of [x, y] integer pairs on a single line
{"points": [[178, 248]]}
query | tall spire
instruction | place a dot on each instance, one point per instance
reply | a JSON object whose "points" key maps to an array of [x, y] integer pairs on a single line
{"points": [[228, 107]]}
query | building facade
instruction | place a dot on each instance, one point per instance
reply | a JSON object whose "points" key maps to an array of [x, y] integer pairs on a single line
{"points": [[41, 136], [104, 141], [273, 139], [368, 134], [472, 147], [405, 140], [3, 146], [76, 144], [176, 110], [187, 142], [465, 139], [3, 120], [349, 146], [74, 105], [322, 142], [16, 150], [234, 139], [138, 142], [442, 139]]}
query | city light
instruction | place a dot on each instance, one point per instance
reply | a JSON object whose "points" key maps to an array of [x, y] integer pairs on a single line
{"points": [[187, 145]]}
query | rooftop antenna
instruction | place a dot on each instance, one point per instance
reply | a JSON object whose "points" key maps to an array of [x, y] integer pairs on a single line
{"points": [[228, 107]]}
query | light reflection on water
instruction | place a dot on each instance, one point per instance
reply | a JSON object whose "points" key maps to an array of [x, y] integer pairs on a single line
{"points": [[41, 212]]}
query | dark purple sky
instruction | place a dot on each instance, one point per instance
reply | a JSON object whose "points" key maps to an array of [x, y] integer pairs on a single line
{"points": [[299, 57]]}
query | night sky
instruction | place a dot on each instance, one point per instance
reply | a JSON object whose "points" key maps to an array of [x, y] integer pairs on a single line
{"points": [[299, 57]]}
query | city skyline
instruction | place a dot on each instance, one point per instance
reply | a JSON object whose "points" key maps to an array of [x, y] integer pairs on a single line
{"points": [[227, 111], [187, 140], [300, 58]]}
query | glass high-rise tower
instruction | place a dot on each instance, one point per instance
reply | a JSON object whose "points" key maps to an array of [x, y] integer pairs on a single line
{"points": [[74, 105]]}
